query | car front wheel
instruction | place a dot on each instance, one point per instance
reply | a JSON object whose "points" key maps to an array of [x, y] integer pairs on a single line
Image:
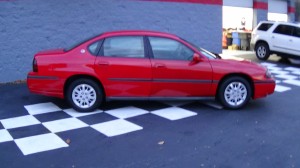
{"points": [[262, 51], [84, 95], [234, 92]]}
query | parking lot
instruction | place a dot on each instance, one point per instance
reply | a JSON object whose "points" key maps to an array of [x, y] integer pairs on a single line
{"points": [[38, 131]]}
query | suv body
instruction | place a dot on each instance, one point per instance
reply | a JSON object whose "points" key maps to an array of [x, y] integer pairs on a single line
{"points": [[281, 38]]}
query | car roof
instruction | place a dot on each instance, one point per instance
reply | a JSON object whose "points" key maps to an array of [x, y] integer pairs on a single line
{"points": [[139, 32], [282, 22]]}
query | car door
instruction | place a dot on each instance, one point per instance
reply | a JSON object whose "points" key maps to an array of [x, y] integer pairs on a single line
{"points": [[295, 41], [282, 39], [174, 72], [123, 68]]}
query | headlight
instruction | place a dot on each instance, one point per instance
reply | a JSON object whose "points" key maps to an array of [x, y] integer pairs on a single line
{"points": [[268, 73]]}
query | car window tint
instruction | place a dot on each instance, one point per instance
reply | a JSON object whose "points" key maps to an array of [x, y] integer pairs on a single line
{"points": [[284, 29], [124, 46], [296, 32], [264, 26], [94, 47], [164, 48]]}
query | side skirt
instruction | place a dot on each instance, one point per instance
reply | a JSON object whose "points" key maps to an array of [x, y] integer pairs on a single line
{"points": [[158, 98]]}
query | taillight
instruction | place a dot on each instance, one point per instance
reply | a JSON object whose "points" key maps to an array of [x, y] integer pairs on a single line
{"points": [[34, 65]]}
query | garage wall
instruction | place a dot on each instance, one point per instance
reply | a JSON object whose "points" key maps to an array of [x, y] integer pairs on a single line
{"points": [[28, 26], [292, 10], [260, 11]]}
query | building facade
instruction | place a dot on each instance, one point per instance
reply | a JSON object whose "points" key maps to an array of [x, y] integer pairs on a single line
{"points": [[28, 26]]}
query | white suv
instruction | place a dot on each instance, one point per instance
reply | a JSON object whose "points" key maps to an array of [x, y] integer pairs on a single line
{"points": [[280, 38]]}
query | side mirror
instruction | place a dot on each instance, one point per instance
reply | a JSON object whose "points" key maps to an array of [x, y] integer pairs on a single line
{"points": [[196, 57]]}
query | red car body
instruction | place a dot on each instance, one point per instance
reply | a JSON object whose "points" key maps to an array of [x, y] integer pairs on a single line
{"points": [[146, 77]]}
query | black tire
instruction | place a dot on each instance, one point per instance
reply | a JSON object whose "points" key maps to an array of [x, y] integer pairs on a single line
{"points": [[84, 95], [234, 92], [262, 51]]}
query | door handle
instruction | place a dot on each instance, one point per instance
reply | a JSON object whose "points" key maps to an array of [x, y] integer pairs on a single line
{"points": [[160, 66], [103, 63]]}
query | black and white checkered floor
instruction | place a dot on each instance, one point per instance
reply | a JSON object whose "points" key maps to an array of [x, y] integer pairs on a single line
{"points": [[285, 76], [38, 131]]}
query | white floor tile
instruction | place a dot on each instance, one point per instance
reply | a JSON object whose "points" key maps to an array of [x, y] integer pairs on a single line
{"points": [[126, 112], [295, 72], [268, 64], [5, 136], [75, 113], [273, 68], [292, 82], [116, 127], [64, 125], [40, 143], [292, 69], [279, 88], [19, 122], [279, 72], [173, 113], [41, 108], [286, 76]]}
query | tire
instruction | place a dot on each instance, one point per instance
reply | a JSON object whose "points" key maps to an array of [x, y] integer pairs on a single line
{"points": [[84, 95], [262, 51], [234, 92]]}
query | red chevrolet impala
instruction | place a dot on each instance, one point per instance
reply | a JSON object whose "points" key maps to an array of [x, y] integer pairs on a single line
{"points": [[144, 65]]}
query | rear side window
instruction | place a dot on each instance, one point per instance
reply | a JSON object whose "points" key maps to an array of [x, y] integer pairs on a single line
{"points": [[284, 29], [124, 46], [94, 47], [264, 26]]}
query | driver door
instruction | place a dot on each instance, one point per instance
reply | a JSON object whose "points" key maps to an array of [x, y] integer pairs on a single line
{"points": [[175, 74]]}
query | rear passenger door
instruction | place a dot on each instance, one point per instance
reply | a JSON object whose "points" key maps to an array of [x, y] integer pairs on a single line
{"points": [[295, 41], [282, 39], [123, 67]]}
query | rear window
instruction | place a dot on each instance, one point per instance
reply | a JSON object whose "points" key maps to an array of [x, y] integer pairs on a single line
{"points": [[264, 26]]}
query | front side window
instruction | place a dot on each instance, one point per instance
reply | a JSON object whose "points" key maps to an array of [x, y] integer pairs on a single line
{"points": [[284, 29], [164, 48], [124, 46]]}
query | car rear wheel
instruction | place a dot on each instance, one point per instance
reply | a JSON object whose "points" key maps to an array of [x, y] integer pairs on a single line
{"points": [[262, 51], [84, 95], [234, 92]]}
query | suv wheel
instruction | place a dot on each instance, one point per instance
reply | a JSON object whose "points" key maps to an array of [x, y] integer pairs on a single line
{"points": [[262, 51]]}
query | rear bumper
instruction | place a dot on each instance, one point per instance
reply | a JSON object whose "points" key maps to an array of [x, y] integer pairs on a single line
{"points": [[263, 88], [45, 85]]}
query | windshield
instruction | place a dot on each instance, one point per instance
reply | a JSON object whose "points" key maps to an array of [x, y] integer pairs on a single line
{"points": [[204, 52]]}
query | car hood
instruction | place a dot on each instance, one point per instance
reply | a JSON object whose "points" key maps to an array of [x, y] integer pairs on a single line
{"points": [[51, 52], [236, 65]]}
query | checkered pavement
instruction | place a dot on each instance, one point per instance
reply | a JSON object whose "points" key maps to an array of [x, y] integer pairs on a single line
{"points": [[38, 131], [285, 76]]}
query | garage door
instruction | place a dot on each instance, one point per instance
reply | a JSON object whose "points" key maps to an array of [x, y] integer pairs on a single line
{"points": [[277, 6], [238, 3]]}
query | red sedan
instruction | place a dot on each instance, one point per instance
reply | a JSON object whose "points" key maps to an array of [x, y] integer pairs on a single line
{"points": [[144, 65]]}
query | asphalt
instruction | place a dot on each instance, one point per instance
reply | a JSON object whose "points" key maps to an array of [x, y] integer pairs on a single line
{"points": [[264, 134]]}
